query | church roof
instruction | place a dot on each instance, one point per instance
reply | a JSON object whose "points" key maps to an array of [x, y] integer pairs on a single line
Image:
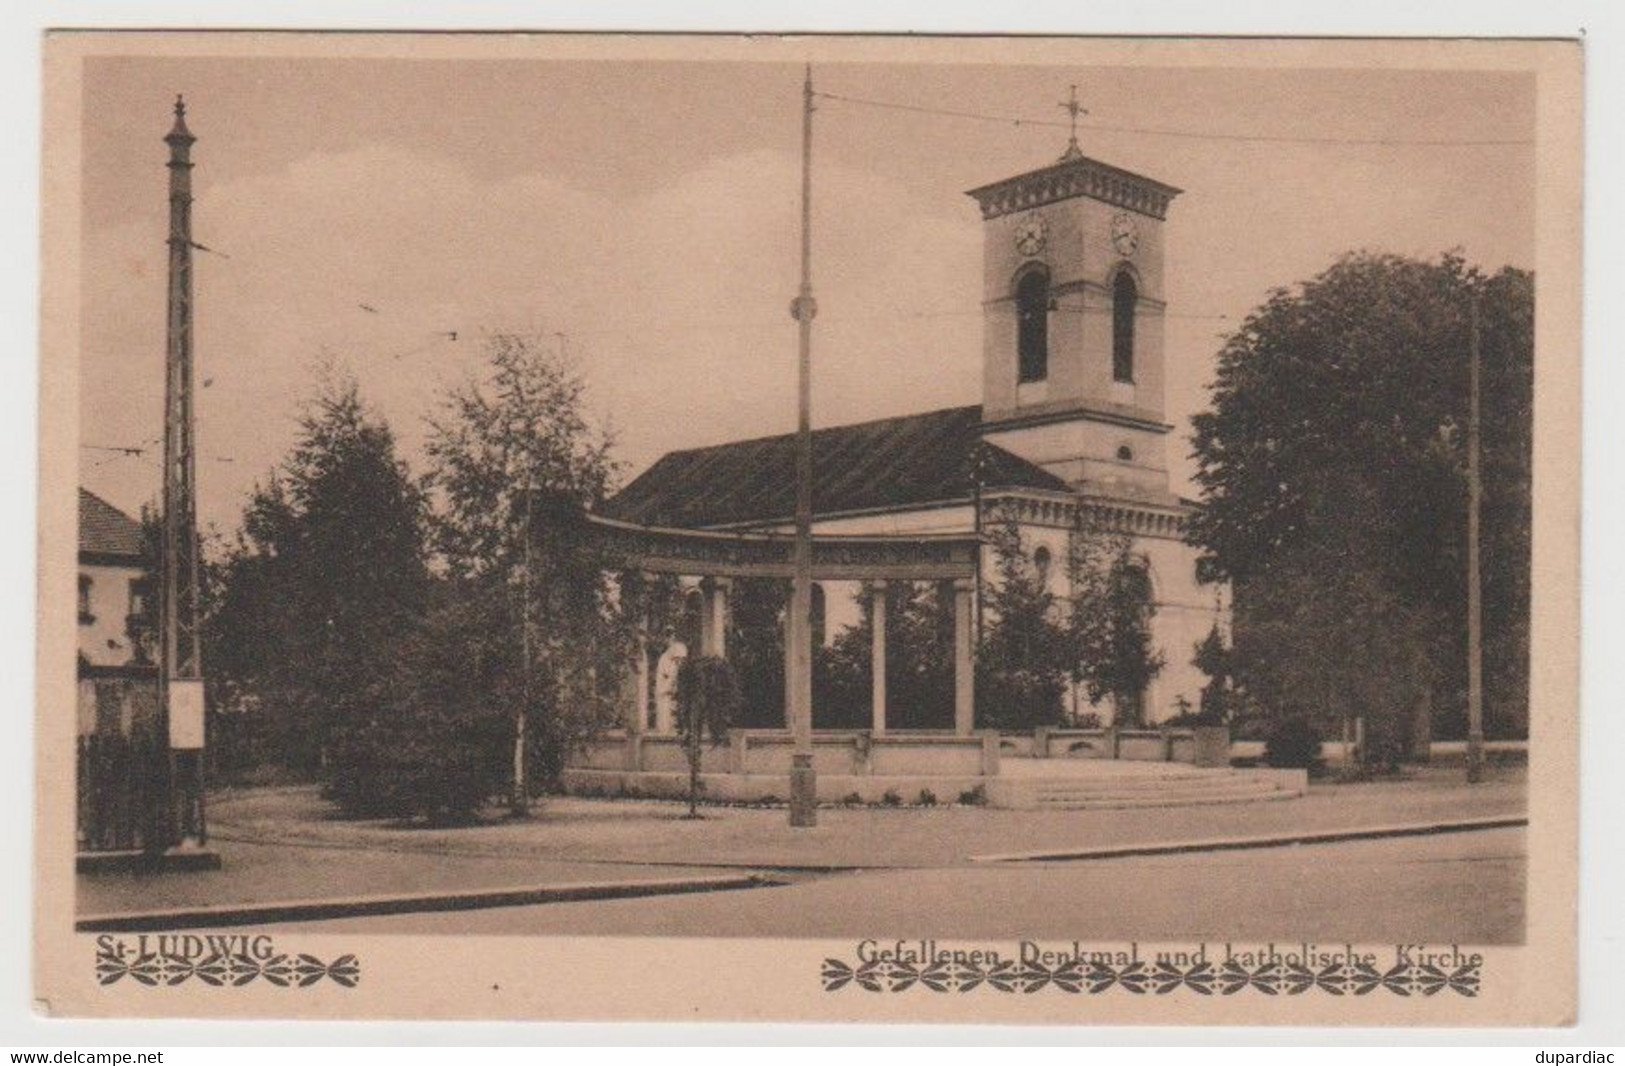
{"points": [[892, 463], [104, 529]]}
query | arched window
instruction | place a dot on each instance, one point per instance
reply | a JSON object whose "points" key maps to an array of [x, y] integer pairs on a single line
{"points": [[1032, 325], [1124, 296], [1137, 582], [1041, 560]]}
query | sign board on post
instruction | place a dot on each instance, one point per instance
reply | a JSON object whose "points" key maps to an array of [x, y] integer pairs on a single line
{"points": [[185, 715]]}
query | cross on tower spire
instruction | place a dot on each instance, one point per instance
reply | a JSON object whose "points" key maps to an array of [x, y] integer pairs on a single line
{"points": [[1073, 109]]}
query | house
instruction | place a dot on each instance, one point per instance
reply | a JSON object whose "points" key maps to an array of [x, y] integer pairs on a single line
{"points": [[117, 670]]}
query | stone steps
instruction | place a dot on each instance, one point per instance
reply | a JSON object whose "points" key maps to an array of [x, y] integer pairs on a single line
{"points": [[1146, 783], [1116, 790], [1150, 790], [1150, 802]]}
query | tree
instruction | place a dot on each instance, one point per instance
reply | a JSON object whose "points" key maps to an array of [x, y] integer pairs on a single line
{"points": [[843, 671], [756, 649], [515, 465], [1025, 656], [327, 572], [1109, 621], [434, 742], [919, 663], [1359, 376], [1325, 638], [919, 655], [708, 704], [1213, 657]]}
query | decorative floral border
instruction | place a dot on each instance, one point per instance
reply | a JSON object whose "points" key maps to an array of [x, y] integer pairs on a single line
{"points": [[1160, 978], [228, 969]]}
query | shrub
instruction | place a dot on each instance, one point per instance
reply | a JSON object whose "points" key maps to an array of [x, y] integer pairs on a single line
{"points": [[401, 765], [927, 798], [853, 800], [974, 797], [1255, 725], [432, 736], [1016, 698], [891, 799], [1293, 743]]}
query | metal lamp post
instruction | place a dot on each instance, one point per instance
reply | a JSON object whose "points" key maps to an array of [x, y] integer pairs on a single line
{"points": [[798, 630]]}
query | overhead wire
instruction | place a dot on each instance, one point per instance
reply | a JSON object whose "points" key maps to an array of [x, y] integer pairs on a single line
{"points": [[1200, 135], [141, 451], [439, 336]]}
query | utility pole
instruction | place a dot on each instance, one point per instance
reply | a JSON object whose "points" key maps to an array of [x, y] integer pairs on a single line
{"points": [[180, 675], [1475, 598], [798, 705], [519, 802]]}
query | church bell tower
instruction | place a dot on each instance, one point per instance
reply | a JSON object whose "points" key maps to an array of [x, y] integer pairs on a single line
{"points": [[1073, 321]]}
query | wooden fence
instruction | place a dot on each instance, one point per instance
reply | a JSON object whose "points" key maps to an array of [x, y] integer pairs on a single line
{"points": [[123, 789], [123, 761]]}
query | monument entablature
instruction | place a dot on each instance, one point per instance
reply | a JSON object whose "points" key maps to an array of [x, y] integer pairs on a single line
{"points": [[836, 557]]}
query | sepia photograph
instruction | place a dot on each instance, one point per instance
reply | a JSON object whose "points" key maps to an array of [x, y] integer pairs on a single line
{"points": [[980, 529]]}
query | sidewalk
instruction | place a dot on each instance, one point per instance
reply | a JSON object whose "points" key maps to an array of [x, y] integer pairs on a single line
{"points": [[286, 844], [269, 873], [641, 833]]}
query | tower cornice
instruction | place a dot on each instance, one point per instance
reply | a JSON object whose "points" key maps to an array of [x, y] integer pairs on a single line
{"points": [[1071, 411], [1080, 176], [1167, 520]]}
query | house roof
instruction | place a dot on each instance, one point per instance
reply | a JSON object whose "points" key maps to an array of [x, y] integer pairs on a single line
{"points": [[885, 464], [104, 529]]}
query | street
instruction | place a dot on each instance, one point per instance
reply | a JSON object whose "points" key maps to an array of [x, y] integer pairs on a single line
{"points": [[1463, 888]]}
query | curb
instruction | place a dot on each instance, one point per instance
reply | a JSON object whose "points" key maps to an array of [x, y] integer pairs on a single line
{"points": [[1333, 836], [385, 847], [364, 906], [141, 861]]}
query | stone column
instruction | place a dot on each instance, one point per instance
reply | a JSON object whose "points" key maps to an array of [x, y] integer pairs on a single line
{"points": [[638, 713], [877, 655], [787, 639], [720, 588], [708, 618], [964, 665], [637, 716]]}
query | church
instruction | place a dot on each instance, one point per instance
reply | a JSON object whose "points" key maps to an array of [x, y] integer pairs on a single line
{"points": [[1072, 415]]}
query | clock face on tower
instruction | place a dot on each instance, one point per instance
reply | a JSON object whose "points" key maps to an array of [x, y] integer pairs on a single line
{"points": [[1031, 233], [1125, 234]]}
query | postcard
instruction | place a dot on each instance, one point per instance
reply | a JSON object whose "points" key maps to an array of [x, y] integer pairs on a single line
{"points": [[809, 528]]}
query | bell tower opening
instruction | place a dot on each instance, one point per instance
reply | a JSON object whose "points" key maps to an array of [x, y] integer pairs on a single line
{"points": [[1125, 297], [1032, 325]]}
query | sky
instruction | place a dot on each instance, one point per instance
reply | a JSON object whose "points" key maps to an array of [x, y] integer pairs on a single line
{"points": [[642, 217]]}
